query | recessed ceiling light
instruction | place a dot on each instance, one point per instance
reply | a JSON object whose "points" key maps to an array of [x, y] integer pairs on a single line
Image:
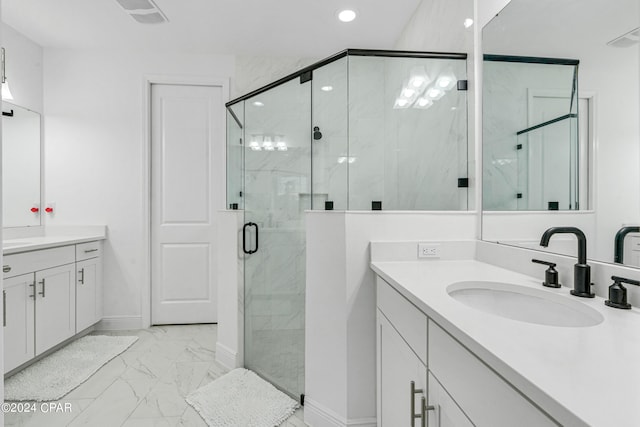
{"points": [[258, 104], [468, 22], [347, 15], [327, 88]]}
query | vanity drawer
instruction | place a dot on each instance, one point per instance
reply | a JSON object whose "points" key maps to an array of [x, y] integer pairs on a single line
{"points": [[410, 322], [28, 262], [88, 250], [487, 399]]}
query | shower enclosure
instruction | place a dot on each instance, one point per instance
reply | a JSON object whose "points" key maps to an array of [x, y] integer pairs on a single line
{"points": [[533, 157], [361, 130]]}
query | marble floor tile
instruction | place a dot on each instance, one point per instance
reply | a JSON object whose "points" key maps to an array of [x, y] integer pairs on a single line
{"points": [[163, 400], [47, 415], [152, 422], [113, 406], [146, 385], [191, 418]]}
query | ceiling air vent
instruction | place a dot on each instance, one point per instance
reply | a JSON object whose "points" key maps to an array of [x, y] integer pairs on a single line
{"points": [[626, 40], [143, 11]]}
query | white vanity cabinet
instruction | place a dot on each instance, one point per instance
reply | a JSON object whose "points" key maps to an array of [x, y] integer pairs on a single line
{"points": [[55, 302], [19, 332], [88, 284], [461, 390], [46, 301]]}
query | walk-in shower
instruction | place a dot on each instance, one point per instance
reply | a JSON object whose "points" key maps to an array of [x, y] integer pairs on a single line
{"points": [[533, 156], [361, 130]]}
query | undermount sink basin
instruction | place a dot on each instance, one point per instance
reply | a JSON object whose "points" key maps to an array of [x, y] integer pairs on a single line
{"points": [[524, 304], [12, 244]]}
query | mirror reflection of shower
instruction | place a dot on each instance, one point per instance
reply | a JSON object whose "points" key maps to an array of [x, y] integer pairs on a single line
{"points": [[535, 157]]}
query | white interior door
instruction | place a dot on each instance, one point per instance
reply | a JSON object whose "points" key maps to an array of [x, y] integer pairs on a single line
{"points": [[186, 122]]}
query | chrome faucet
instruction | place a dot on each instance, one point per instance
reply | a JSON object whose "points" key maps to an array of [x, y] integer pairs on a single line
{"points": [[618, 249], [581, 270]]}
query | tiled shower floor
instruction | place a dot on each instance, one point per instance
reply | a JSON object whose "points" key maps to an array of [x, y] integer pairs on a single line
{"points": [[145, 386]]}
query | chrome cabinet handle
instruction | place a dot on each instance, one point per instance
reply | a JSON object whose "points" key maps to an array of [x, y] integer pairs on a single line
{"points": [[81, 279], [43, 288], [423, 407], [4, 308], [86, 251], [414, 391], [6, 268], [423, 412], [33, 285]]}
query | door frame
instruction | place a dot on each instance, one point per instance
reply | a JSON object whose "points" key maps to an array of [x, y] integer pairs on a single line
{"points": [[592, 144], [220, 172]]}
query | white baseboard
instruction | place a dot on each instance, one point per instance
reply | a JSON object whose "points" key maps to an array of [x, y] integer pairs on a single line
{"points": [[120, 323], [317, 415], [227, 357]]}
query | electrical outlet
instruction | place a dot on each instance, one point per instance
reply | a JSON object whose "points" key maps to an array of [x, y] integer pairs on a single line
{"points": [[428, 250]]}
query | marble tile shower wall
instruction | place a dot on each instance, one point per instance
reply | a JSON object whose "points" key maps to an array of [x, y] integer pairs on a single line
{"points": [[330, 153], [507, 88], [410, 158]]}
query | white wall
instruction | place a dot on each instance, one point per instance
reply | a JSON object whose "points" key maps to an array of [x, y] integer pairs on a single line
{"points": [[340, 304], [23, 69], [94, 152], [230, 343], [253, 72]]}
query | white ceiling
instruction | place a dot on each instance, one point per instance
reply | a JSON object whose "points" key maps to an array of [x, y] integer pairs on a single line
{"points": [[307, 28]]}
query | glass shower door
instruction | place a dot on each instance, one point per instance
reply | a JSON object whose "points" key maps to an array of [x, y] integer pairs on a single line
{"points": [[277, 191]]}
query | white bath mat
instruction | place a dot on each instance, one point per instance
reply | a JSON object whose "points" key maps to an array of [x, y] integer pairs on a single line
{"points": [[242, 398], [57, 374]]}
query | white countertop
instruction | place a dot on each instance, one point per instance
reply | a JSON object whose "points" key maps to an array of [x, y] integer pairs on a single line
{"points": [[32, 243], [579, 375]]}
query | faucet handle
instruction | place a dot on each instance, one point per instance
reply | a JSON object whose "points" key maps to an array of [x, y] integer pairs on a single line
{"points": [[550, 275], [618, 293]]}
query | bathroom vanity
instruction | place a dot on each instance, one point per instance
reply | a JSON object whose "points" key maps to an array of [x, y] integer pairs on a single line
{"points": [[477, 367], [52, 292]]}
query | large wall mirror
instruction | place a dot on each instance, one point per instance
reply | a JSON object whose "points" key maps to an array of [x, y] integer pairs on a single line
{"points": [[21, 143], [561, 126]]}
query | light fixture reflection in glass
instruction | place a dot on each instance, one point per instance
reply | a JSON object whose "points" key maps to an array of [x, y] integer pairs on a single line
{"points": [[280, 144], [326, 88], [349, 159], [254, 145], [408, 92], [401, 103], [258, 104], [6, 92], [468, 22], [423, 103], [347, 15], [435, 93], [446, 82], [267, 144], [417, 81]]}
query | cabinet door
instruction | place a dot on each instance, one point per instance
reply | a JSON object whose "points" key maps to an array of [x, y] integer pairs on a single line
{"points": [[88, 293], [18, 321], [55, 306], [398, 365], [446, 413]]}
